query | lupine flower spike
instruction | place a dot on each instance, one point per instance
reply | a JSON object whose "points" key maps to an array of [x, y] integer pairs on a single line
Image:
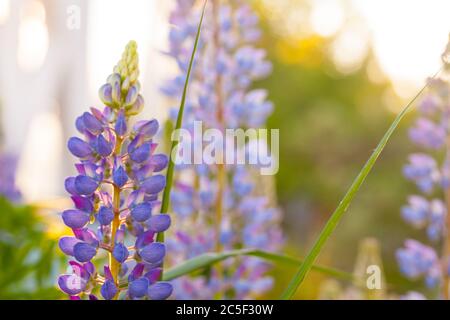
{"points": [[430, 171], [221, 201], [114, 193]]}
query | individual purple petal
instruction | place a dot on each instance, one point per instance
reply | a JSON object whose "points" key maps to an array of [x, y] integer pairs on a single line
{"points": [[120, 252], [138, 288], [75, 219], [121, 125], [159, 161], [115, 80], [89, 267], [131, 96], [147, 128], [136, 272], [153, 253], [83, 203], [79, 148], [71, 284], [105, 216], [69, 185], [87, 236], [105, 94], [137, 106], [85, 185], [107, 273], [92, 123], [141, 153], [103, 147], [160, 291], [108, 290], [144, 239], [154, 184], [93, 297], [84, 252], [120, 177], [141, 212], [74, 298], [79, 124], [153, 275], [66, 244], [159, 222]]}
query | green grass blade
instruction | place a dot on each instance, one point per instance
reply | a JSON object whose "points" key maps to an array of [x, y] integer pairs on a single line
{"points": [[332, 222], [179, 123], [209, 259]]}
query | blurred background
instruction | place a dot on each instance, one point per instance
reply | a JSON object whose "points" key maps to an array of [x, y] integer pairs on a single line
{"points": [[342, 70]]}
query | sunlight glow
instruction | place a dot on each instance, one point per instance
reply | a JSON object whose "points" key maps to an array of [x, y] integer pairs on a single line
{"points": [[327, 17], [33, 37], [40, 165], [408, 37], [4, 11]]}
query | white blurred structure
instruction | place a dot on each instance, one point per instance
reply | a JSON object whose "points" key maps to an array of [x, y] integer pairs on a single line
{"points": [[55, 54]]}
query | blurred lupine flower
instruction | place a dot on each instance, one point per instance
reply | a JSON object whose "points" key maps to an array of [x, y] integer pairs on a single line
{"points": [[417, 260], [8, 189], [221, 96], [114, 193], [430, 170]]}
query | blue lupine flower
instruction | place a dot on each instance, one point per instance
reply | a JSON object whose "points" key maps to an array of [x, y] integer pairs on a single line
{"points": [[226, 52], [8, 188], [114, 193], [429, 171]]}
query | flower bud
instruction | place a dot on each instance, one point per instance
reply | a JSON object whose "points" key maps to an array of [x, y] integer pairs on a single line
{"points": [[108, 290], [66, 244], [159, 222], [75, 219], [160, 291], [120, 177], [85, 185], [131, 96], [79, 148], [105, 94], [141, 153], [120, 252], [153, 253], [138, 288], [141, 212], [84, 252], [103, 147], [105, 216], [154, 184], [121, 124]]}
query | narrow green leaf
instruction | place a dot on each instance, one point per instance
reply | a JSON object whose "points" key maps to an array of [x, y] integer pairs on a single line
{"points": [[209, 259], [332, 222], [179, 123]]}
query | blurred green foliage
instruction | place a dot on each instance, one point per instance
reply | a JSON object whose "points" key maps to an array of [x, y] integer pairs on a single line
{"points": [[329, 123], [28, 258]]}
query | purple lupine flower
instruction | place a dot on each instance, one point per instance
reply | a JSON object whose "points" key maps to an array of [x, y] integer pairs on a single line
{"points": [[221, 97], [8, 188], [114, 193], [417, 260], [430, 171]]}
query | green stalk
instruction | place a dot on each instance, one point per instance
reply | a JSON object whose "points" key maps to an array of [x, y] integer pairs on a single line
{"points": [[208, 259], [332, 222]]}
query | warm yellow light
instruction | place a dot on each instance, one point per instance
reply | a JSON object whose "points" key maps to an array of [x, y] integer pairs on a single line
{"points": [[4, 11], [33, 37], [327, 17]]}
